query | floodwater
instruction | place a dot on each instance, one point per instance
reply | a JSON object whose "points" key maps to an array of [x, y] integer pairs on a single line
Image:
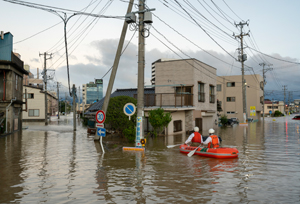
{"points": [[54, 165]]}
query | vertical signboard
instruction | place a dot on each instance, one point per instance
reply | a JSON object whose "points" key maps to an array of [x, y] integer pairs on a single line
{"points": [[252, 111], [139, 123]]}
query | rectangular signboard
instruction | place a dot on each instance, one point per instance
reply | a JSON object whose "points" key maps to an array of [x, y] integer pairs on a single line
{"points": [[99, 81], [101, 132], [100, 125]]}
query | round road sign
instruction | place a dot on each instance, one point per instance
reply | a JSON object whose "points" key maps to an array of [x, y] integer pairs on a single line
{"points": [[100, 116], [129, 109]]}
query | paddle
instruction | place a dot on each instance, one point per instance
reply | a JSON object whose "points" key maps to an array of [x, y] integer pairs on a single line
{"points": [[171, 146], [193, 152]]}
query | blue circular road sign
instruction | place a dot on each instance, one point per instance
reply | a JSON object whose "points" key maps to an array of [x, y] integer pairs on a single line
{"points": [[129, 109]]}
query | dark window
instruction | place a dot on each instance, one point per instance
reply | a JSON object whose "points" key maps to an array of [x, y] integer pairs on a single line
{"points": [[230, 99], [219, 87], [211, 94], [30, 95], [230, 84], [201, 94], [34, 112], [177, 125]]}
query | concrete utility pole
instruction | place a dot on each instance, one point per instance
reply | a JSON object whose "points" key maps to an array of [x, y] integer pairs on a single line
{"points": [[58, 105], [263, 85], [115, 65], [242, 58], [79, 99], [141, 69], [65, 103], [45, 82], [74, 107], [284, 89]]}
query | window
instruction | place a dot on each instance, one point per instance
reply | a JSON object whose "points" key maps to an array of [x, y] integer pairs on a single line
{"points": [[219, 87], [211, 94], [34, 113], [230, 112], [177, 126], [230, 84], [271, 107], [30, 95], [230, 99], [16, 82], [201, 94]]}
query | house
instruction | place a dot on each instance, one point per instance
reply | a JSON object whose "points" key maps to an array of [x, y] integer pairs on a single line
{"points": [[35, 105], [272, 106], [11, 86], [229, 95]]}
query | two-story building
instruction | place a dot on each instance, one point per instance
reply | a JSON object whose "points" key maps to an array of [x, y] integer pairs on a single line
{"points": [[229, 94], [11, 86]]}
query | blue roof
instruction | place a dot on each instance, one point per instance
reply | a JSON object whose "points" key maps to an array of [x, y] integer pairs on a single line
{"points": [[119, 92]]}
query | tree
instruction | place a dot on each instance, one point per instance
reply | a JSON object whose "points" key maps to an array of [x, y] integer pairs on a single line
{"points": [[159, 120], [62, 106], [116, 118]]}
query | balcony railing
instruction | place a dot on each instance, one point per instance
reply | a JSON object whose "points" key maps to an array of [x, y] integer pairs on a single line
{"points": [[167, 100], [212, 98], [17, 61]]}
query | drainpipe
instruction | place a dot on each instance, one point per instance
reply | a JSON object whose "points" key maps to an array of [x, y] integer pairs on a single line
{"points": [[4, 86], [7, 112]]}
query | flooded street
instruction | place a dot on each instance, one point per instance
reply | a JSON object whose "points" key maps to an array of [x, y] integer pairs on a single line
{"points": [[54, 165]]}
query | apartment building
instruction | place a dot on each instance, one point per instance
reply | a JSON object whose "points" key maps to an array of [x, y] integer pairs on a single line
{"points": [[229, 95], [272, 106], [185, 88]]}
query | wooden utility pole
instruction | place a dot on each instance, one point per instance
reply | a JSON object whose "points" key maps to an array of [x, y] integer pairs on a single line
{"points": [[284, 89], [242, 58], [45, 82]]}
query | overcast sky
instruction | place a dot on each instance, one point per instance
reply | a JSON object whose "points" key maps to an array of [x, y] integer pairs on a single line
{"points": [[201, 29]]}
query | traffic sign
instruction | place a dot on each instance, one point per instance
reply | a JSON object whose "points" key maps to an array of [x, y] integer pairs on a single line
{"points": [[129, 109], [100, 116], [101, 132], [101, 125]]}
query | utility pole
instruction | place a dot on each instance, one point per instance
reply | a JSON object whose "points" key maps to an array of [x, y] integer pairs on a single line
{"points": [[242, 58], [65, 103], [74, 107], [58, 100], [284, 89], [141, 69], [263, 85], [79, 99], [45, 82], [115, 65]]}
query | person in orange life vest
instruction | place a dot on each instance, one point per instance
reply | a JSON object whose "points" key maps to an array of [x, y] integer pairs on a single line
{"points": [[195, 137], [213, 140]]}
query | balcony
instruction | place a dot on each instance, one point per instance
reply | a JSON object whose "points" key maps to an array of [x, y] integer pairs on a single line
{"points": [[17, 61], [167, 100]]}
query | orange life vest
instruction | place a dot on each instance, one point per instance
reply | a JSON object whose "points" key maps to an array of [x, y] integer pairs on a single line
{"points": [[214, 143], [197, 137]]}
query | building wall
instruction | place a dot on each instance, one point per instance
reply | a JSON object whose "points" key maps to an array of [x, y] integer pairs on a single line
{"points": [[180, 115], [36, 103], [253, 96]]}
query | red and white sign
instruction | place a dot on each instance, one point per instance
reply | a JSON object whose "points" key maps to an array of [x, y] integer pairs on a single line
{"points": [[100, 125], [100, 116]]}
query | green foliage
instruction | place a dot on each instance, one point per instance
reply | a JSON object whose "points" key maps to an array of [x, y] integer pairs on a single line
{"points": [[62, 106], [277, 113], [159, 120], [129, 133], [224, 120], [116, 118]]}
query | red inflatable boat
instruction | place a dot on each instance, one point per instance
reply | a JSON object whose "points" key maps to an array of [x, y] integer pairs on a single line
{"points": [[221, 152]]}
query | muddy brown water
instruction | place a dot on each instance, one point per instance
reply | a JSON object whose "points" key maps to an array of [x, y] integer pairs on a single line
{"points": [[54, 165]]}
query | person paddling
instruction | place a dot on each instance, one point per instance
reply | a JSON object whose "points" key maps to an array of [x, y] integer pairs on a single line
{"points": [[213, 140], [195, 137]]}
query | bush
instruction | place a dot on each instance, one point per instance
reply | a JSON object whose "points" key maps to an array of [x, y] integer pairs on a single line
{"points": [[224, 120], [129, 133], [277, 114]]}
